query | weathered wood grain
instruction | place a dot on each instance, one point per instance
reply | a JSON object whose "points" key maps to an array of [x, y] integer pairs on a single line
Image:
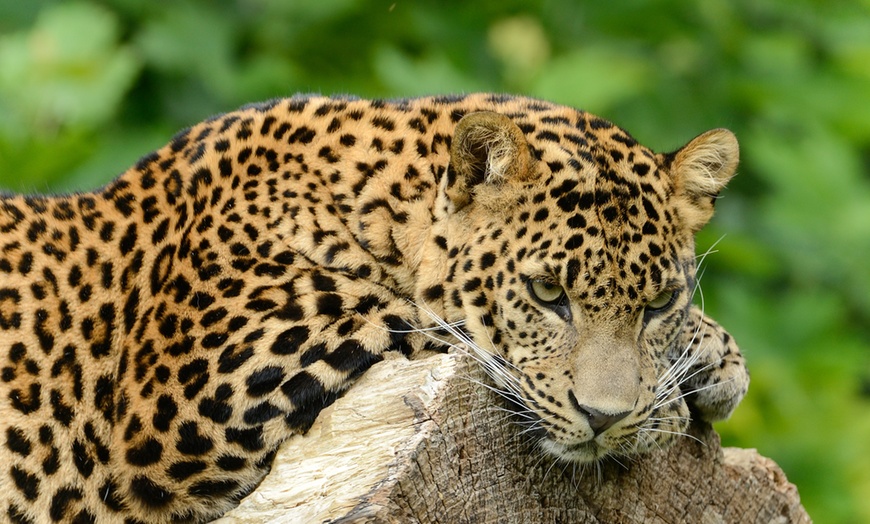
{"points": [[423, 441]]}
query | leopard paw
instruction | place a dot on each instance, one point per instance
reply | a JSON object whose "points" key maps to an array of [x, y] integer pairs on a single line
{"points": [[714, 374]]}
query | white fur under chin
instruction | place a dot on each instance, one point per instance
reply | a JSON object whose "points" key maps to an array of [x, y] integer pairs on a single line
{"points": [[580, 453]]}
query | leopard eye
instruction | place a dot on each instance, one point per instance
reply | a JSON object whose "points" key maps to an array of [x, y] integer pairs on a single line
{"points": [[662, 300], [546, 292]]}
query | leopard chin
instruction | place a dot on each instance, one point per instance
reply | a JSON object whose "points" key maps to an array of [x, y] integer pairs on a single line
{"points": [[581, 452]]}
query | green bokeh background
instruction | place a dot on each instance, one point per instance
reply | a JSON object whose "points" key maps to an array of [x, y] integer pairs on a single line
{"points": [[86, 87]]}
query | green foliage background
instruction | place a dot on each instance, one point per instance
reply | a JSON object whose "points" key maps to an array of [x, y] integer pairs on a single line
{"points": [[86, 87]]}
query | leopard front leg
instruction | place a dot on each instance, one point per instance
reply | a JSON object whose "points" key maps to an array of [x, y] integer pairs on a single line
{"points": [[715, 376], [210, 392]]}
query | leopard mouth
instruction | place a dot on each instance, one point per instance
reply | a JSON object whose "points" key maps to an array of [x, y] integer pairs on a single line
{"points": [[581, 452], [578, 452]]}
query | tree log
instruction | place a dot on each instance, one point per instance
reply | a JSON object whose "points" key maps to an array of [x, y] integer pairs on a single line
{"points": [[425, 441]]}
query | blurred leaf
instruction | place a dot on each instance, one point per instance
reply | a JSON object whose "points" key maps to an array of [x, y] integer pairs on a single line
{"points": [[67, 70], [38, 165], [192, 41], [521, 44], [593, 78], [428, 75]]}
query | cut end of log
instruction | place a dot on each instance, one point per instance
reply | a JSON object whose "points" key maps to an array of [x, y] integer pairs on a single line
{"points": [[422, 441]]}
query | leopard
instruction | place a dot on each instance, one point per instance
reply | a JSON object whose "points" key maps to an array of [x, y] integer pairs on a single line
{"points": [[161, 336]]}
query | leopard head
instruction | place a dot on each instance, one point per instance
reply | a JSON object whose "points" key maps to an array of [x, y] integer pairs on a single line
{"points": [[570, 270]]}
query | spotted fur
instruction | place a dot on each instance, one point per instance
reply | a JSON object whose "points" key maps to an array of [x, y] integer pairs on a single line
{"points": [[160, 337]]}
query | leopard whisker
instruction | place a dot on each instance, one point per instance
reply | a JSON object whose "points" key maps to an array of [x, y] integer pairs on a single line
{"points": [[676, 433], [507, 385], [526, 413], [495, 368], [710, 250], [615, 459], [547, 473], [533, 427], [681, 361], [687, 393], [674, 375], [665, 419]]}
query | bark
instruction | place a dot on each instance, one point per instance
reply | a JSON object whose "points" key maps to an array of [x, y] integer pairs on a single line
{"points": [[423, 441]]}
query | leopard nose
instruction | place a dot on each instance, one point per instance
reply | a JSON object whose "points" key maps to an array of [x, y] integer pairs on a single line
{"points": [[598, 421]]}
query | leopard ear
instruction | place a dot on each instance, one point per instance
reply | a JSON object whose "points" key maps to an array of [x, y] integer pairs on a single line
{"points": [[700, 170], [487, 148]]}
